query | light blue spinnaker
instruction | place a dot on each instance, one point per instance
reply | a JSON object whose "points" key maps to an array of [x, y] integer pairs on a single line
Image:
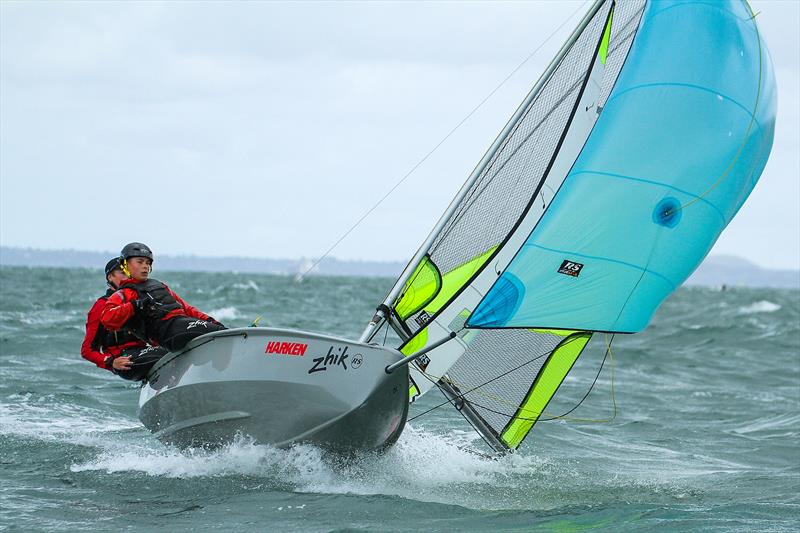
{"points": [[679, 145]]}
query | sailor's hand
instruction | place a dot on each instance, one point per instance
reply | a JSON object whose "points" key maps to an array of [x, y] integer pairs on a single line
{"points": [[122, 363], [214, 321], [141, 306]]}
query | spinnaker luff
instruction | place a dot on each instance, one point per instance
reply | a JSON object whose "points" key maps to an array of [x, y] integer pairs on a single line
{"points": [[602, 194]]}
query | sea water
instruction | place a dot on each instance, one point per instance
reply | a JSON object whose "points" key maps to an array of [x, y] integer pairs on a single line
{"points": [[692, 425]]}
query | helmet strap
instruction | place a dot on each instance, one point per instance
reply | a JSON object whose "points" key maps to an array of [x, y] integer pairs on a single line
{"points": [[124, 266]]}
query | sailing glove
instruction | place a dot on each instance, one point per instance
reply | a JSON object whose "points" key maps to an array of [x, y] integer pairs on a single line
{"points": [[214, 321], [148, 308], [141, 306]]}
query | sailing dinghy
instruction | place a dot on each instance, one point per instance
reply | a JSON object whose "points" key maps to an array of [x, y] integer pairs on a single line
{"points": [[605, 190], [279, 387]]}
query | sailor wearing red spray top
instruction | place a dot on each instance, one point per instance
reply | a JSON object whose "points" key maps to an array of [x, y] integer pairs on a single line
{"points": [[149, 309], [118, 351]]}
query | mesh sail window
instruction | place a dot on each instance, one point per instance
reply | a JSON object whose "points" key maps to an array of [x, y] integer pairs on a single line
{"points": [[507, 377], [502, 193]]}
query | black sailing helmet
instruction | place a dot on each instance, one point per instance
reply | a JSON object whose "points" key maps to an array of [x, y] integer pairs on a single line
{"points": [[135, 249], [113, 265]]}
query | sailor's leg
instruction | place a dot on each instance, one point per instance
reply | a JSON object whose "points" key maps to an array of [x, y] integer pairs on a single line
{"points": [[142, 360], [176, 332]]}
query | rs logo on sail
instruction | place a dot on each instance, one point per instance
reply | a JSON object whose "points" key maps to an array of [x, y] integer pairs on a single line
{"points": [[333, 359], [570, 268]]}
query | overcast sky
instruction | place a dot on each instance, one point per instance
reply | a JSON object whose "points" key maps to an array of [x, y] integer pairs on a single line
{"points": [[267, 129]]}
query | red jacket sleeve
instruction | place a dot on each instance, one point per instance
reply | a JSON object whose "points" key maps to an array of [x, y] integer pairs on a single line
{"points": [[92, 324], [118, 309], [191, 311]]}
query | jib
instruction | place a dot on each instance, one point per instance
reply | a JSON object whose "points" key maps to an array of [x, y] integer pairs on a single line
{"points": [[333, 359], [286, 348]]}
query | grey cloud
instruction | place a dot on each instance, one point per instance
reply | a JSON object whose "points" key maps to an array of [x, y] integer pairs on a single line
{"points": [[281, 123]]}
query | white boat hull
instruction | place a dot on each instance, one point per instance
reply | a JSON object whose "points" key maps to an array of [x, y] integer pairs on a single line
{"points": [[279, 387]]}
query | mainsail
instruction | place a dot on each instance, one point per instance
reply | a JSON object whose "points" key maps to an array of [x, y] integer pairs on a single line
{"points": [[606, 189]]}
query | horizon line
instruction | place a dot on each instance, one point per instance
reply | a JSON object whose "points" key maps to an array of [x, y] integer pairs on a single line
{"points": [[325, 259]]}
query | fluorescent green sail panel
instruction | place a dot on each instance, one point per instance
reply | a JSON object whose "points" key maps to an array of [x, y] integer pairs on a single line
{"points": [[457, 278], [603, 51], [428, 290], [416, 343], [413, 391], [557, 332], [434, 293], [544, 388], [422, 287]]}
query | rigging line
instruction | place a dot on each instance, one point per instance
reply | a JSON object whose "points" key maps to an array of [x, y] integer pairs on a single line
{"points": [[463, 394], [386, 334], [447, 401], [467, 202], [564, 416], [608, 355], [749, 126], [453, 403], [625, 34], [480, 188], [452, 131]]}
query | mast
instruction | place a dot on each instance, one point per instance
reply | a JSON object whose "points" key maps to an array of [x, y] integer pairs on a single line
{"points": [[457, 399], [383, 311]]}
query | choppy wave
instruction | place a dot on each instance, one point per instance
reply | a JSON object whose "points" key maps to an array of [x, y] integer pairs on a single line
{"points": [[421, 466], [47, 418], [249, 285], [225, 313], [762, 306], [707, 419]]}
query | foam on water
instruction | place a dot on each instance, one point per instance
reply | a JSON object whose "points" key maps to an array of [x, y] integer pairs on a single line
{"points": [[422, 466], [764, 427], [250, 285], [225, 313], [40, 318], [46, 418], [155, 459], [420, 456], [762, 306]]}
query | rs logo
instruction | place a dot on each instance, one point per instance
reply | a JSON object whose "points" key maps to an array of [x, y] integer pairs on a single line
{"points": [[570, 268]]}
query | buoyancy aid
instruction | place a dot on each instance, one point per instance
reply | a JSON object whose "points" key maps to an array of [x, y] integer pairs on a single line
{"points": [[163, 302], [157, 292], [104, 339]]}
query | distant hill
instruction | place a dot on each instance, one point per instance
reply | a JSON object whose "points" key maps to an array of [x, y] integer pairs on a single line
{"points": [[734, 271], [715, 271], [13, 256]]}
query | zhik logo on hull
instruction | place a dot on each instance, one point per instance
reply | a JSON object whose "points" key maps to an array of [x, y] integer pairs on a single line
{"points": [[335, 358]]}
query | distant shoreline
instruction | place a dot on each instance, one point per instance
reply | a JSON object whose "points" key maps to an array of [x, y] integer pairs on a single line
{"points": [[715, 271], [16, 256]]}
